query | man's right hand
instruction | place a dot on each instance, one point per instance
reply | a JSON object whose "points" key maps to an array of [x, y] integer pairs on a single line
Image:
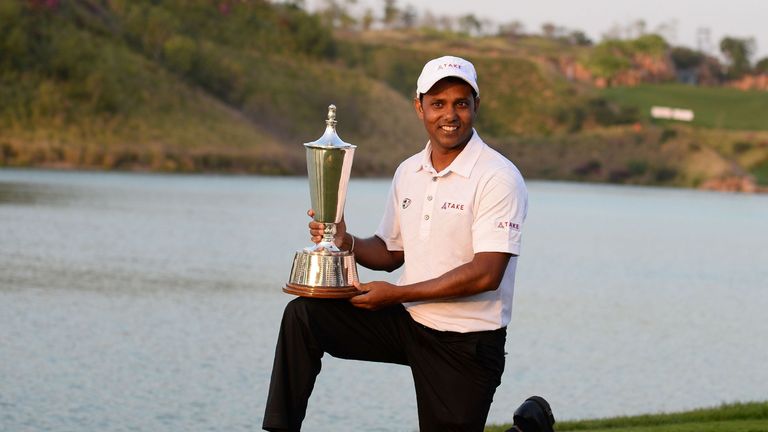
{"points": [[316, 230]]}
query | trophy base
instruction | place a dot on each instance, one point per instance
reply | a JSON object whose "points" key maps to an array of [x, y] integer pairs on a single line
{"points": [[323, 274], [321, 292]]}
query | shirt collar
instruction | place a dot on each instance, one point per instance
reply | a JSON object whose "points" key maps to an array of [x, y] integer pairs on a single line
{"points": [[463, 163]]}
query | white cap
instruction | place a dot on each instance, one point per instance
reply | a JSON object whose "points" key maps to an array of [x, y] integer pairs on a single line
{"points": [[443, 67]]}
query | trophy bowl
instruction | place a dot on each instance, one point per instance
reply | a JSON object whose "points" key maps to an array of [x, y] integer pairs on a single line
{"points": [[322, 270]]}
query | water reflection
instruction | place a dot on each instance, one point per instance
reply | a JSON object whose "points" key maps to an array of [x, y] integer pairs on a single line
{"points": [[23, 193]]}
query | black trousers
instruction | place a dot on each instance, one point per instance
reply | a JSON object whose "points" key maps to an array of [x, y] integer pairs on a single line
{"points": [[455, 374]]}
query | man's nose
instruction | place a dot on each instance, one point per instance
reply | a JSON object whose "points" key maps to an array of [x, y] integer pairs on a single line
{"points": [[450, 113]]}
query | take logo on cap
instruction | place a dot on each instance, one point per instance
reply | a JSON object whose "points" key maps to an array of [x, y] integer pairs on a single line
{"points": [[444, 67]]}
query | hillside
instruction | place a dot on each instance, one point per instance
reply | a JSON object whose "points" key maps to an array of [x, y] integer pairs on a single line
{"points": [[238, 86], [134, 85]]}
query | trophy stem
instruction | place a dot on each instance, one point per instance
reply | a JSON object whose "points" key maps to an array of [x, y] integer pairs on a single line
{"points": [[327, 243], [328, 238]]}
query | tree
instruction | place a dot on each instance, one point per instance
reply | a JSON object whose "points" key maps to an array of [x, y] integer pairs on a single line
{"points": [[469, 24], [738, 52], [652, 44], [512, 29], [578, 37], [367, 20], [391, 12], [762, 65], [429, 21], [335, 14], [609, 58], [409, 16], [446, 23], [549, 30], [685, 58]]}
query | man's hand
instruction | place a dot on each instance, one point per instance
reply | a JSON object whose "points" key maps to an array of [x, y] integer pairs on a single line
{"points": [[376, 295], [316, 230]]}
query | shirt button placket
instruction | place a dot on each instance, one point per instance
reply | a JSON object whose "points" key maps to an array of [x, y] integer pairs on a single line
{"points": [[427, 209]]}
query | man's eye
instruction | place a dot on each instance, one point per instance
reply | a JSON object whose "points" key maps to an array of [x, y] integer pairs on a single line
{"points": [[437, 104]]}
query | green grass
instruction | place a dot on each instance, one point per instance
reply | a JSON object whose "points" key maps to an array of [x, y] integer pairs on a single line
{"points": [[714, 107], [737, 417], [716, 426]]}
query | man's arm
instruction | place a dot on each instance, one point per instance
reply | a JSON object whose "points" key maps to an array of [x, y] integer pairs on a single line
{"points": [[372, 253], [483, 273]]}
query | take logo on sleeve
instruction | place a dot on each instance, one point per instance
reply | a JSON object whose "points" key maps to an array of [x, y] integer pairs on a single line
{"points": [[406, 203], [506, 225]]}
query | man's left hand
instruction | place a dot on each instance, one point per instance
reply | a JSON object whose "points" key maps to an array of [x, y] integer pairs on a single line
{"points": [[375, 295]]}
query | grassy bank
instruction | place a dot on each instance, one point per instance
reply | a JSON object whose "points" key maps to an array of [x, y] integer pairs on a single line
{"points": [[642, 155], [737, 417], [714, 107]]}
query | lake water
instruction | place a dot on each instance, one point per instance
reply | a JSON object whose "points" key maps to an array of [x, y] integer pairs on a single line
{"points": [[139, 302]]}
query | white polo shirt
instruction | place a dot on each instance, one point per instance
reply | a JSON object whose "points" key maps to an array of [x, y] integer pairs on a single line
{"points": [[440, 220]]}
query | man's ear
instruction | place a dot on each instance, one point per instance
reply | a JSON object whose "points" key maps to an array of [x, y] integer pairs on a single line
{"points": [[477, 103], [419, 109]]}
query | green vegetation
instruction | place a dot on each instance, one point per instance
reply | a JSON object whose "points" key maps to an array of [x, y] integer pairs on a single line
{"points": [[612, 56], [181, 86], [218, 85], [738, 417], [738, 52], [714, 107]]}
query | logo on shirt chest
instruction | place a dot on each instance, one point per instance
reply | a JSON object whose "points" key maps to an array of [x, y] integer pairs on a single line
{"points": [[406, 203], [452, 206]]}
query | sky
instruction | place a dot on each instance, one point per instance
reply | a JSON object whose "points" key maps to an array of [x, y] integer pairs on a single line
{"points": [[735, 18]]}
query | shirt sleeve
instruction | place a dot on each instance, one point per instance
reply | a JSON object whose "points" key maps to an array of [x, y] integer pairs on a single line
{"points": [[502, 205], [389, 227]]}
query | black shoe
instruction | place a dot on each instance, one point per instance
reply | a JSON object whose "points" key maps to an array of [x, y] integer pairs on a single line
{"points": [[534, 415]]}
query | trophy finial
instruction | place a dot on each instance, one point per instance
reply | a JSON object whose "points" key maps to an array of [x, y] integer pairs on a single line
{"points": [[331, 115], [329, 138]]}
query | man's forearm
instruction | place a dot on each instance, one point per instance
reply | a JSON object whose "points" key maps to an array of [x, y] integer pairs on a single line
{"points": [[372, 253], [483, 273]]}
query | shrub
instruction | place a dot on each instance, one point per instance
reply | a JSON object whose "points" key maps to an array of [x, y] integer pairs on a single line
{"points": [[742, 147], [637, 168], [665, 174], [667, 134], [588, 168], [179, 53], [760, 171], [685, 58], [607, 114]]}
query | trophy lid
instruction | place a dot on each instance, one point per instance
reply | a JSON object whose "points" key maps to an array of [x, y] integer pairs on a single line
{"points": [[330, 139]]}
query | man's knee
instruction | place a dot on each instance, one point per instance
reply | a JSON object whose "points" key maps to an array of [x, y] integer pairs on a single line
{"points": [[313, 311], [296, 308]]}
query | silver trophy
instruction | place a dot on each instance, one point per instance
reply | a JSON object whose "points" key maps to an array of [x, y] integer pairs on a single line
{"points": [[322, 270]]}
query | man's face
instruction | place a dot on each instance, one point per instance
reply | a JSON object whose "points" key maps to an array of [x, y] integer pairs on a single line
{"points": [[448, 111]]}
